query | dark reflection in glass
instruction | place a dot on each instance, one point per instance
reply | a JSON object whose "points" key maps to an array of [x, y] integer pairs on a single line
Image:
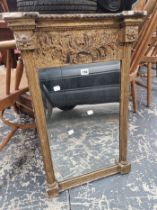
{"points": [[82, 110]]}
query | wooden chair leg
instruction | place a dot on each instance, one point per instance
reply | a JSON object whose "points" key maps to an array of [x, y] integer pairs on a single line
{"points": [[15, 127], [19, 73], [8, 70], [4, 6], [134, 96], [8, 138], [149, 82]]}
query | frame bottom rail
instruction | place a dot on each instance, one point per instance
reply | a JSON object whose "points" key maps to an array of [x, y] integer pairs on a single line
{"points": [[83, 179]]}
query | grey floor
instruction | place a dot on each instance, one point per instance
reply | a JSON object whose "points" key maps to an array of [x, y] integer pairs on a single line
{"points": [[84, 139], [22, 182]]}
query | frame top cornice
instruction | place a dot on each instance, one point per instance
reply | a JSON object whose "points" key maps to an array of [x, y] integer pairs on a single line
{"points": [[36, 15]]}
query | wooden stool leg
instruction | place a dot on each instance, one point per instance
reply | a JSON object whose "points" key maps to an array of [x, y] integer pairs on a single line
{"points": [[8, 138], [134, 96], [2, 6], [19, 73], [149, 81], [6, 5], [15, 127], [8, 71]]}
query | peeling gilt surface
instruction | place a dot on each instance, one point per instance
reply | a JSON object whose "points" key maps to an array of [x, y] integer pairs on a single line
{"points": [[22, 181]]}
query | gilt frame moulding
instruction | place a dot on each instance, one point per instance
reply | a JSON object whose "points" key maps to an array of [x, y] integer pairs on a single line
{"points": [[56, 40]]}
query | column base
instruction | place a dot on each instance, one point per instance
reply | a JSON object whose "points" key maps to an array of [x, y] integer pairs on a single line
{"points": [[125, 167]]}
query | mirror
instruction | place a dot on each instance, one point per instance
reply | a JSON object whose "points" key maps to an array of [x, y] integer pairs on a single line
{"points": [[81, 105]]}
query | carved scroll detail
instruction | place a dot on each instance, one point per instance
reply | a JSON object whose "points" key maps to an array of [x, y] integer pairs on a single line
{"points": [[73, 47]]}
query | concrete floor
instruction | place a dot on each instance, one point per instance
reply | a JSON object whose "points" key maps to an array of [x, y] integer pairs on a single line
{"points": [[81, 143], [22, 181]]}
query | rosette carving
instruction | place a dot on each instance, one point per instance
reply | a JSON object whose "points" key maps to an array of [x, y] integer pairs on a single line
{"points": [[25, 41], [131, 34]]}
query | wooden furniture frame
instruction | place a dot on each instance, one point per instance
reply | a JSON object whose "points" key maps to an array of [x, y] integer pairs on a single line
{"points": [[148, 60], [150, 56], [139, 5], [140, 52], [17, 97], [55, 40], [12, 96], [5, 32], [4, 5]]}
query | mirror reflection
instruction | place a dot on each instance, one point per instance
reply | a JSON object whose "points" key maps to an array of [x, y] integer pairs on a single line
{"points": [[81, 105]]}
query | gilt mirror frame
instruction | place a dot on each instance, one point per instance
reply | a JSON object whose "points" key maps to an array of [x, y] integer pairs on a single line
{"points": [[115, 33]]}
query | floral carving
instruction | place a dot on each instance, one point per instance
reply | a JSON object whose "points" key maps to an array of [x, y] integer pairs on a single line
{"points": [[77, 46], [131, 34], [25, 42]]}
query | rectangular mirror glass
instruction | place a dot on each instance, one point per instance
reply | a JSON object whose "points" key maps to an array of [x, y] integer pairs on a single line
{"points": [[81, 105]]}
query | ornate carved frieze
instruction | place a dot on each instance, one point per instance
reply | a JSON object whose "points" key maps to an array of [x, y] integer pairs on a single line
{"points": [[73, 47]]}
